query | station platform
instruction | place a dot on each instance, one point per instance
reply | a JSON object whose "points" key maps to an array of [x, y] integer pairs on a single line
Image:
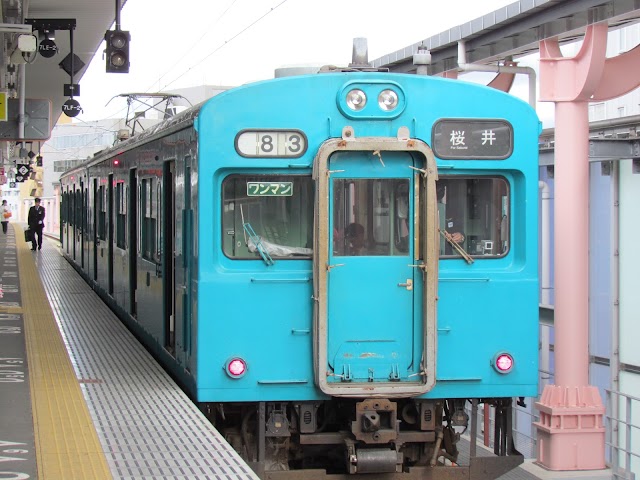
{"points": [[80, 398]]}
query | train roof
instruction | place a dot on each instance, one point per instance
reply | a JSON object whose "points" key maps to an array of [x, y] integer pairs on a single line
{"points": [[176, 123]]}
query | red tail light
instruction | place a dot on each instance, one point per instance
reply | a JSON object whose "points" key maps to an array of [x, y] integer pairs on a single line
{"points": [[236, 367], [503, 362]]}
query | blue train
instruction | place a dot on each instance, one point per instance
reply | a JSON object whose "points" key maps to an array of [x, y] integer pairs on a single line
{"points": [[339, 268]]}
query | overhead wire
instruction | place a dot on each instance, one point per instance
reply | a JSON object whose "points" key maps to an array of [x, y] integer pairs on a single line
{"points": [[206, 32], [226, 42]]}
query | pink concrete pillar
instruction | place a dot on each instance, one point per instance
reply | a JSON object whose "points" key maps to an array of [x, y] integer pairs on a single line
{"points": [[571, 247], [570, 430]]}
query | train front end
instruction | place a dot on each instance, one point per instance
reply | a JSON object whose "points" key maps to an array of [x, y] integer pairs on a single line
{"points": [[342, 324]]}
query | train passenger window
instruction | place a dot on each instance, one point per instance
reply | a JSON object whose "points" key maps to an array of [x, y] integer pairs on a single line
{"points": [[371, 217], [473, 215], [63, 208], [148, 209], [71, 207], [77, 212], [121, 215], [102, 213], [272, 212]]}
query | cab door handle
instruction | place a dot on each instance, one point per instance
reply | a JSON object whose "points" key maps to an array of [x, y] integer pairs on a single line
{"points": [[408, 285]]}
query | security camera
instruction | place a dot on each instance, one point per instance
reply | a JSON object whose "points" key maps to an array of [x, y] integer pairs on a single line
{"points": [[25, 48], [27, 43]]}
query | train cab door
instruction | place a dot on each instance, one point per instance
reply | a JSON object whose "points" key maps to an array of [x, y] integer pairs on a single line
{"points": [[168, 257], [187, 255], [183, 261], [371, 285], [375, 278]]}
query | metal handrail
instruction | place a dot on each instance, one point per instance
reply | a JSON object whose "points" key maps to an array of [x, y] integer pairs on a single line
{"points": [[613, 434]]}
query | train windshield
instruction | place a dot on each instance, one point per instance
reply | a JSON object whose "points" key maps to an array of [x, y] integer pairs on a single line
{"points": [[474, 216], [268, 216], [371, 217]]}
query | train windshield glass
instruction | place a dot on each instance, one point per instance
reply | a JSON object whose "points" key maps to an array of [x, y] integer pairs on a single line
{"points": [[474, 215], [371, 217], [272, 214]]}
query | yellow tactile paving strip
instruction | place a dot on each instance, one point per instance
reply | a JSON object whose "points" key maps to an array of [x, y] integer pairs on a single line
{"points": [[67, 445]]}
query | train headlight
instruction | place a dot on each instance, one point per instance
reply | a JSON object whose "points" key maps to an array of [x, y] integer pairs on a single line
{"points": [[388, 100], [371, 100], [503, 362], [236, 367], [356, 100]]}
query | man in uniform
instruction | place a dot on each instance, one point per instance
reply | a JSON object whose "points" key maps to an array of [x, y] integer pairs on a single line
{"points": [[36, 224]]}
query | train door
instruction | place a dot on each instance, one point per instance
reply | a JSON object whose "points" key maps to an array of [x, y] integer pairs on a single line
{"points": [[133, 240], [83, 222], [184, 254], [168, 257], [94, 209], [111, 233], [76, 219], [69, 225], [376, 272], [371, 287], [66, 205], [64, 218]]}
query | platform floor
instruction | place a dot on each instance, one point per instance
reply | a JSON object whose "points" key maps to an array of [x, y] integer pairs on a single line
{"points": [[84, 400], [80, 399]]}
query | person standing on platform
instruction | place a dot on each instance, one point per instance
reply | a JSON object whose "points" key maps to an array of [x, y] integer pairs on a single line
{"points": [[36, 224], [6, 215]]}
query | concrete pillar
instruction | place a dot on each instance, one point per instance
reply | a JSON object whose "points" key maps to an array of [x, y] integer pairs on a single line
{"points": [[571, 435]]}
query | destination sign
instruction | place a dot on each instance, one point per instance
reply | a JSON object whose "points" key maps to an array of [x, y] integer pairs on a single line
{"points": [[460, 139]]}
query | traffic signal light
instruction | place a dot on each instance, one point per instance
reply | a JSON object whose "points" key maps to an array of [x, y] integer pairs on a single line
{"points": [[117, 51]]}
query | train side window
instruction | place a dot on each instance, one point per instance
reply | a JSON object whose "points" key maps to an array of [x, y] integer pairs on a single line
{"points": [[473, 212], [148, 208], [121, 215], [102, 213], [275, 211], [78, 219], [71, 207]]}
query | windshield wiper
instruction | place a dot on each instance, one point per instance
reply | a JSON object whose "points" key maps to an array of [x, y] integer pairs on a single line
{"points": [[457, 248], [255, 239]]}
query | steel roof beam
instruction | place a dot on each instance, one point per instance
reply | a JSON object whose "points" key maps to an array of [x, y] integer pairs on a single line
{"points": [[513, 31]]}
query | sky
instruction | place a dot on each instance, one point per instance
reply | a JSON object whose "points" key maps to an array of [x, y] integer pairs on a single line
{"points": [[232, 42]]}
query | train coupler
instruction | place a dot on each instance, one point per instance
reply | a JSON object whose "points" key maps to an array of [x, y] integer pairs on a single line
{"points": [[376, 421]]}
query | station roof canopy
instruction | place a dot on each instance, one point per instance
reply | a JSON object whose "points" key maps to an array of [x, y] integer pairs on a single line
{"points": [[513, 31], [43, 77]]}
